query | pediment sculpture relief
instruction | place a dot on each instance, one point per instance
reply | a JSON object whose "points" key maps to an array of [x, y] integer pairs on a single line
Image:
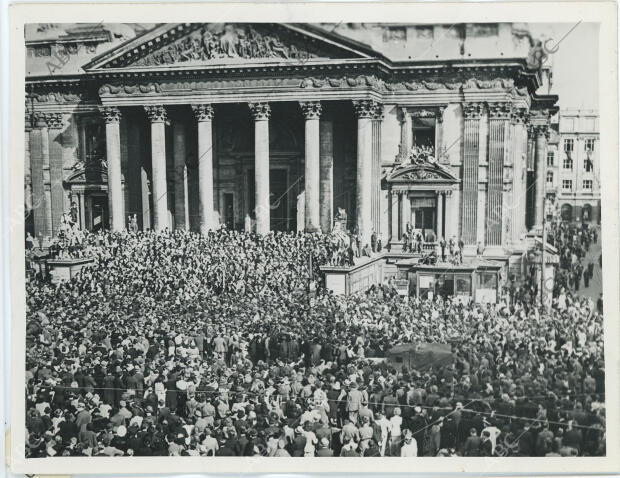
{"points": [[213, 42]]}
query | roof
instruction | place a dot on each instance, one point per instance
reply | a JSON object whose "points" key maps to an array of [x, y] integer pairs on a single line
{"points": [[72, 49]]}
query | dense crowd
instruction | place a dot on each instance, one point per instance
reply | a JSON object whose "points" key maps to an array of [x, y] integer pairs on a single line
{"points": [[180, 344], [573, 242]]}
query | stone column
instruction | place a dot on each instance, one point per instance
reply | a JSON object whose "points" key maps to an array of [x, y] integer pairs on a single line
{"points": [[57, 188], [376, 169], [364, 110], [112, 116], [145, 197], [326, 160], [499, 114], [439, 231], [204, 116], [181, 218], [82, 206], [157, 117], [27, 166], [406, 134], [518, 170], [39, 152], [469, 208], [393, 217], [312, 173], [541, 159], [261, 113], [406, 212]]}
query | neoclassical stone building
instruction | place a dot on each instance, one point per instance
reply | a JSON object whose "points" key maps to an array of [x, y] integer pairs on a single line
{"points": [[276, 126]]}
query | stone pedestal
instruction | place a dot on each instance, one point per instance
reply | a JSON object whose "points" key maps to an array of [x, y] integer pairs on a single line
{"points": [[62, 270]]}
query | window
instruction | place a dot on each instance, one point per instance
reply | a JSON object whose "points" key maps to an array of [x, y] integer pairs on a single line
{"points": [[567, 163], [92, 141], [567, 184], [425, 32], [550, 178], [587, 184], [550, 158], [395, 34], [569, 144], [589, 144], [423, 130], [588, 165]]}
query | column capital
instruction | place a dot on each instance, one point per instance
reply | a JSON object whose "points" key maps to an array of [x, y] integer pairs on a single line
{"points": [[439, 115], [365, 108], [500, 110], [378, 113], [260, 111], [39, 119], [111, 114], [311, 109], [28, 123], [203, 112], [541, 130], [519, 115], [472, 110], [156, 113]]}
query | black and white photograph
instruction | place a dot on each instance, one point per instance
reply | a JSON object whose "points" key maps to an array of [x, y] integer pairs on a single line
{"points": [[315, 239]]}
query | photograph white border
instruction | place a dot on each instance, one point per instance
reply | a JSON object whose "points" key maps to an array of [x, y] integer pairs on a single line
{"points": [[331, 12]]}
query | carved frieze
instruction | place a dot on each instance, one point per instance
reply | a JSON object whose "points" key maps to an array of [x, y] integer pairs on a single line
{"points": [[344, 82], [129, 89], [56, 97], [411, 85], [214, 41]]}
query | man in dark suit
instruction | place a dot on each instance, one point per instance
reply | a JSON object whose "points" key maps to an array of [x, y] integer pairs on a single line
{"points": [[472, 444]]}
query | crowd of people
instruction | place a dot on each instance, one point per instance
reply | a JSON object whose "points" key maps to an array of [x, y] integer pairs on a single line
{"points": [[573, 242], [227, 344]]}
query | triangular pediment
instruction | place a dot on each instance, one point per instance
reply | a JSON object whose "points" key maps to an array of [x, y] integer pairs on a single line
{"points": [[88, 174], [204, 44], [420, 173]]}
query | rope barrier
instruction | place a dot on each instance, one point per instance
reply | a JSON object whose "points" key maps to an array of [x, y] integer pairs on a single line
{"points": [[431, 407]]}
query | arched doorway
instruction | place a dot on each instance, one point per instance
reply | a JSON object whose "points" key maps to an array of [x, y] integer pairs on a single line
{"points": [[566, 212], [586, 213]]}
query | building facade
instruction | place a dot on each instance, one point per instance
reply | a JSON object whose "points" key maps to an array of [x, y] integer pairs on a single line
{"points": [[575, 166], [278, 126]]}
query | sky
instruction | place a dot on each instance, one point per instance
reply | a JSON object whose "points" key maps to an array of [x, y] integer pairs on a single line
{"points": [[575, 64]]}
